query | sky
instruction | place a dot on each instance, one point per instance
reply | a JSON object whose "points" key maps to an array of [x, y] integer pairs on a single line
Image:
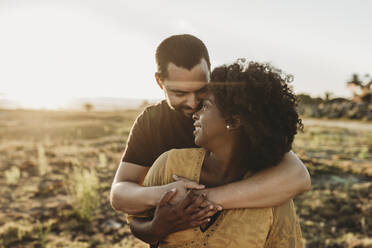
{"points": [[54, 50]]}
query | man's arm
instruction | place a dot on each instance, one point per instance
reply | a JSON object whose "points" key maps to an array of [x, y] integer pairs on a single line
{"points": [[127, 195], [267, 188]]}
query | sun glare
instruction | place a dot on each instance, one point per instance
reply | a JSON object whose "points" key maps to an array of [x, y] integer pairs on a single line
{"points": [[80, 55], [40, 102]]}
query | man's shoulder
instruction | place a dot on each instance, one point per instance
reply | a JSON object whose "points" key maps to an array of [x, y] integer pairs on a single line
{"points": [[154, 110], [153, 116]]}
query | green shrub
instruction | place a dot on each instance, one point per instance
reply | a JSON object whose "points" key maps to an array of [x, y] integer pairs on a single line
{"points": [[82, 187], [102, 160], [12, 175], [42, 160]]}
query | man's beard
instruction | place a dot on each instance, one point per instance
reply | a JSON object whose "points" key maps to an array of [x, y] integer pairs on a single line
{"points": [[186, 111]]}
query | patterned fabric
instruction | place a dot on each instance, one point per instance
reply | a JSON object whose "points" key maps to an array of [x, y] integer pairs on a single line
{"points": [[261, 227]]}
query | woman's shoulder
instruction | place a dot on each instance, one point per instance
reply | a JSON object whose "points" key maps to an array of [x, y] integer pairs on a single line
{"points": [[185, 153], [185, 156], [181, 162], [185, 162], [180, 155]]}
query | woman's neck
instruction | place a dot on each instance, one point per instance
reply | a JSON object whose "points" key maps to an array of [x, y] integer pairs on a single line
{"points": [[222, 162]]}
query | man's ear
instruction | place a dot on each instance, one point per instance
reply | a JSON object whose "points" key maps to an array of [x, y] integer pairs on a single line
{"points": [[158, 80]]}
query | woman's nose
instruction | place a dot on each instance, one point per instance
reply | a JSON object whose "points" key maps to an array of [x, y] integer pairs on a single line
{"points": [[195, 116]]}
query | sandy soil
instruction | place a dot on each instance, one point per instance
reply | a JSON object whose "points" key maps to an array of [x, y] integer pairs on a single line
{"points": [[41, 152]]}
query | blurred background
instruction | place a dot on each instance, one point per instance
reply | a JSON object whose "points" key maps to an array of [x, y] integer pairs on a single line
{"points": [[75, 74]]}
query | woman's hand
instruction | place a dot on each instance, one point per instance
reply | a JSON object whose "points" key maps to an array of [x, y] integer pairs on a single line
{"points": [[186, 213]]}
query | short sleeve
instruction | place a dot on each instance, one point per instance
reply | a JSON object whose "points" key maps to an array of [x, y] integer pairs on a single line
{"points": [[285, 231], [137, 150]]}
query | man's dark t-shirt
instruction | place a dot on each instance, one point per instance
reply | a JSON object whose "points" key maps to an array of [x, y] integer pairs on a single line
{"points": [[156, 130]]}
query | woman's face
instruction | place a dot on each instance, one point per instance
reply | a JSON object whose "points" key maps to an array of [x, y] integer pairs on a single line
{"points": [[210, 126]]}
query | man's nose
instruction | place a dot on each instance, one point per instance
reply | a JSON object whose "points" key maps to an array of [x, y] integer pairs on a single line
{"points": [[192, 101]]}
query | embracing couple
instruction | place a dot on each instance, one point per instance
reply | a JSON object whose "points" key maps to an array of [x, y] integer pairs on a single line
{"points": [[212, 166]]}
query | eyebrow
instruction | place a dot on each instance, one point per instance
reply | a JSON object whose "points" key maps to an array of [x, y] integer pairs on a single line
{"points": [[177, 91], [202, 89], [181, 91]]}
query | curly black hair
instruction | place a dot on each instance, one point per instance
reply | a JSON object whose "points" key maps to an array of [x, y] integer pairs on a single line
{"points": [[266, 106], [183, 50]]}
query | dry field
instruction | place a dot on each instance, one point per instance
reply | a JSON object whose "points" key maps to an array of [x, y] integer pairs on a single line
{"points": [[56, 169]]}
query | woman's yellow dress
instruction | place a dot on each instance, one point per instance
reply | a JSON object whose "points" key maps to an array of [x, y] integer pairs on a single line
{"points": [[260, 227]]}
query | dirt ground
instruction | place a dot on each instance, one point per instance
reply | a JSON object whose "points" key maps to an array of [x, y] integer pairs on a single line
{"points": [[45, 204]]}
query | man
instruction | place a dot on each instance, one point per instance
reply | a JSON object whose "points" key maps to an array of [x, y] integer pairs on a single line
{"points": [[183, 72]]}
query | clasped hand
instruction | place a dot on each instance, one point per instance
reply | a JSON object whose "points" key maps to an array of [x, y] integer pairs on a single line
{"points": [[181, 208]]}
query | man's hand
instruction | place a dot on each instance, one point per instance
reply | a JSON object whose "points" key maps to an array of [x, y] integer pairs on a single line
{"points": [[197, 191], [182, 185], [185, 214]]}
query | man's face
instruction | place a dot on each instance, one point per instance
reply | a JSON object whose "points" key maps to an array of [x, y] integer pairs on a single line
{"points": [[184, 89]]}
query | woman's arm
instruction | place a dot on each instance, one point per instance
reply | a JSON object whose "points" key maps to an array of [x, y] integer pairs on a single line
{"points": [[267, 188], [178, 209], [170, 218]]}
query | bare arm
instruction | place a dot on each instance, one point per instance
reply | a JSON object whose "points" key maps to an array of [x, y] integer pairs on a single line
{"points": [[190, 211], [127, 195], [267, 188]]}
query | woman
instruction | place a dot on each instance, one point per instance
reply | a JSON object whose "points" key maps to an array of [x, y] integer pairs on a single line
{"points": [[246, 124]]}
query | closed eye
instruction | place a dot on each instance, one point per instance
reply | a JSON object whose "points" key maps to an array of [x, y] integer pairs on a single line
{"points": [[179, 93], [204, 106]]}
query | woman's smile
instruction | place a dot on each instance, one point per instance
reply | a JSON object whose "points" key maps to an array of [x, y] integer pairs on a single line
{"points": [[197, 127]]}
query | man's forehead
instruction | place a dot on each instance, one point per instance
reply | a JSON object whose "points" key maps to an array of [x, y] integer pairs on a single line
{"points": [[185, 86], [199, 72]]}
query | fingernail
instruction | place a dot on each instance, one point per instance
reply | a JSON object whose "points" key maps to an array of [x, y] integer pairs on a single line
{"points": [[175, 176], [173, 190], [209, 219], [219, 208], [210, 207]]}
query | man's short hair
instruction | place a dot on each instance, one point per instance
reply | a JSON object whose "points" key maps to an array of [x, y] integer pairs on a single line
{"points": [[183, 50]]}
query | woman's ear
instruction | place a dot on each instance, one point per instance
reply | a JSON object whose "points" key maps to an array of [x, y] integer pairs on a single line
{"points": [[233, 123]]}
